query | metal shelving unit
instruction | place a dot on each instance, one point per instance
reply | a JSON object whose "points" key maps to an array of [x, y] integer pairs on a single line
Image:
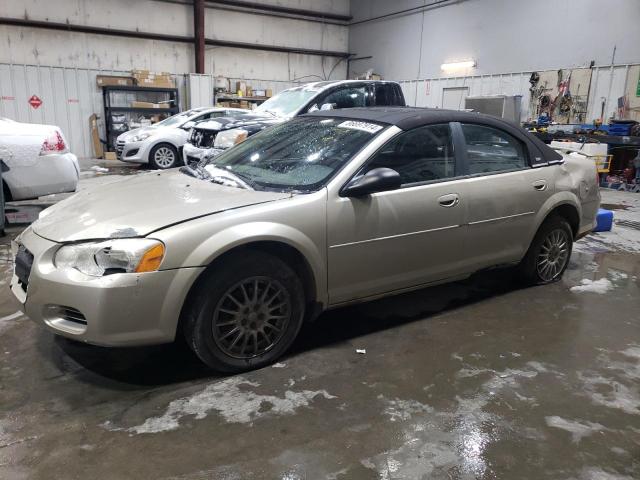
{"points": [[157, 94], [234, 98]]}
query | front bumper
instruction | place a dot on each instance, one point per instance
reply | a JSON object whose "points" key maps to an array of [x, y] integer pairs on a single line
{"points": [[118, 310], [192, 154], [135, 152]]}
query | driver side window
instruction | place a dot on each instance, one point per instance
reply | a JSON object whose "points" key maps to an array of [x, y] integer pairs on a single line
{"points": [[423, 154]]}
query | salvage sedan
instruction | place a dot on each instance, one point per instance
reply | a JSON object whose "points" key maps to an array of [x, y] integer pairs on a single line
{"points": [[325, 210], [37, 161]]}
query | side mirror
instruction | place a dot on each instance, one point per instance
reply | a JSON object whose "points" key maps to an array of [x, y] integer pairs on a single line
{"points": [[328, 106], [188, 125], [376, 180]]}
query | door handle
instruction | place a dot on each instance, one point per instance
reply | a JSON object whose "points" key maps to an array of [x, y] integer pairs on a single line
{"points": [[540, 185], [450, 200]]}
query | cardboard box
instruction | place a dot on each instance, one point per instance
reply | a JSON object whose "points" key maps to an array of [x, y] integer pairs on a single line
{"points": [[155, 82], [259, 93], [137, 104], [110, 156], [112, 80], [268, 93], [95, 136], [145, 78]]}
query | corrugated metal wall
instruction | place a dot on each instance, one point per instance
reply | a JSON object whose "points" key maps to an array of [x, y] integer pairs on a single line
{"points": [[607, 84], [69, 97]]}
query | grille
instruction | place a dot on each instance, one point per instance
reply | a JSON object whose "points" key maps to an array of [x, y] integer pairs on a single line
{"points": [[119, 148], [629, 223], [203, 138], [71, 315], [22, 266]]}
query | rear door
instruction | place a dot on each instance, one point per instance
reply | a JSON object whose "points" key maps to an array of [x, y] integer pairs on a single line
{"points": [[504, 194]]}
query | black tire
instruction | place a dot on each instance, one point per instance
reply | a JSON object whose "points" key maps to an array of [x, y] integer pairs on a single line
{"points": [[533, 270], [207, 325], [161, 154]]}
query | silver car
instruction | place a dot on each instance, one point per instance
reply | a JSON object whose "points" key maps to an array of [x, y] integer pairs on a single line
{"points": [[160, 144], [37, 161], [325, 210]]}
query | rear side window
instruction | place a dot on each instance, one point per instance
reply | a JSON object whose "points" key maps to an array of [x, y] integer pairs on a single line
{"points": [[349, 97], [420, 155], [491, 150], [386, 95]]}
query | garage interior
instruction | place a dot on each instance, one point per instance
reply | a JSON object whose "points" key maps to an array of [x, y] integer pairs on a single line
{"points": [[480, 378]]}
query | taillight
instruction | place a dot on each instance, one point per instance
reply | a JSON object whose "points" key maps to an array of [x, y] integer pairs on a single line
{"points": [[54, 143]]}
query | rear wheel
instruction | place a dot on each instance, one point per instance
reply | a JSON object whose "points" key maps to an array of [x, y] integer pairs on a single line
{"points": [[549, 253], [245, 313], [163, 156]]}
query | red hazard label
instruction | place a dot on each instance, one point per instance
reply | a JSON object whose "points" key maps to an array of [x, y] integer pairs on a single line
{"points": [[34, 101]]}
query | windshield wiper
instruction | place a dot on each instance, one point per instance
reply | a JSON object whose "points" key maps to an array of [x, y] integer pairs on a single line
{"points": [[221, 173], [270, 112]]}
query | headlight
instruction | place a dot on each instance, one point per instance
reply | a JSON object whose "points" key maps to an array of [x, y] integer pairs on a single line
{"points": [[125, 255], [141, 136], [229, 138]]}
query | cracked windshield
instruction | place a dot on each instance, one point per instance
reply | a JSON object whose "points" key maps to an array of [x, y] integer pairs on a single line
{"points": [[301, 154]]}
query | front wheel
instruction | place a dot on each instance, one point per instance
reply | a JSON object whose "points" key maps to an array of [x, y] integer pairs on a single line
{"points": [[246, 312], [163, 156], [549, 253]]}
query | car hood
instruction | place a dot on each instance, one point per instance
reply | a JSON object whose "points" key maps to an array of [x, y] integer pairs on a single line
{"points": [[139, 205], [127, 136], [227, 123]]}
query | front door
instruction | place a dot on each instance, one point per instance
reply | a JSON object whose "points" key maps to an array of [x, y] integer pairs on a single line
{"points": [[407, 237]]}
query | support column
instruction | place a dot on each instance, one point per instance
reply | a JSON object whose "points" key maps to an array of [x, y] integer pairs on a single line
{"points": [[198, 30]]}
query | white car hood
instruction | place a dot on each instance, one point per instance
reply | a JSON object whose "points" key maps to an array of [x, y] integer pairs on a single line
{"points": [[140, 205], [127, 136]]}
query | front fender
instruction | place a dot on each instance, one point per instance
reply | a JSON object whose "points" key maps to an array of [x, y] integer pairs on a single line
{"points": [[175, 136], [243, 234]]}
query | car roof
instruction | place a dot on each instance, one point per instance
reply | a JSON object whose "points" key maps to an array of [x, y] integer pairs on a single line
{"points": [[325, 84], [407, 118]]}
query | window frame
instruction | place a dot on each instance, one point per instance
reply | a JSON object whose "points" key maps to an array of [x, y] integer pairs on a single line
{"points": [[462, 149], [392, 93], [329, 91], [456, 159]]}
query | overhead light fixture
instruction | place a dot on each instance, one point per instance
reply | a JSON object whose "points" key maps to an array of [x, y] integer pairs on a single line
{"points": [[450, 67]]}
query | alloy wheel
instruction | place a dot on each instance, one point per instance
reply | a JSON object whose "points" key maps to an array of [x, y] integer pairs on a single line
{"points": [[251, 317], [164, 157], [553, 255]]}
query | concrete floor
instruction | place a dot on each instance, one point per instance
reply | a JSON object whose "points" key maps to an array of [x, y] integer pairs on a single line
{"points": [[477, 379]]}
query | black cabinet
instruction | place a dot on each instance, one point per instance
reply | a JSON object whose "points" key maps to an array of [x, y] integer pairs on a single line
{"points": [[125, 107]]}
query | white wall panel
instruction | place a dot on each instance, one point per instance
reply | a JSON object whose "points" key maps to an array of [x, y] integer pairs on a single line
{"points": [[501, 35], [19, 45], [69, 97], [517, 83]]}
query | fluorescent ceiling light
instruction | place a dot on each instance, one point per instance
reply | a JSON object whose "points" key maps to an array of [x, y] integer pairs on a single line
{"points": [[458, 65]]}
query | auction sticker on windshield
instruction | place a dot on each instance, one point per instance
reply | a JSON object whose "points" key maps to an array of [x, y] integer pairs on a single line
{"points": [[364, 126]]}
